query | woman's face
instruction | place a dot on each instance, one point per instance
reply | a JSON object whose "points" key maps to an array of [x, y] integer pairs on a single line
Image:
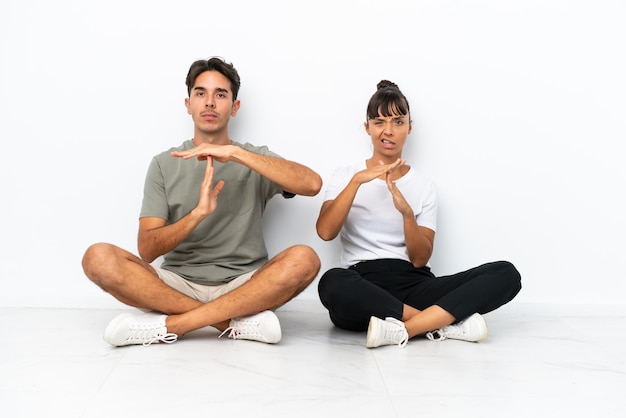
{"points": [[388, 133]]}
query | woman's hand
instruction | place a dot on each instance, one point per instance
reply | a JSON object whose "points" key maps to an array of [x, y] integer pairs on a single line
{"points": [[380, 170], [398, 198]]}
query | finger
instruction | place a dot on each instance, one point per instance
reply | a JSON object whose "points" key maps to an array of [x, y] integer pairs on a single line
{"points": [[208, 172], [218, 188], [395, 164], [389, 182], [185, 155], [178, 154]]}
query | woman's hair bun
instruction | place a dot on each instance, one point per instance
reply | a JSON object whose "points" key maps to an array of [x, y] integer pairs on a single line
{"points": [[386, 83]]}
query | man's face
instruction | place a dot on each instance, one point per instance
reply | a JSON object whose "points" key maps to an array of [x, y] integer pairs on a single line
{"points": [[210, 103]]}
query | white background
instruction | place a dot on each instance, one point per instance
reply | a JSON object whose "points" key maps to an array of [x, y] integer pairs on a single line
{"points": [[518, 107]]}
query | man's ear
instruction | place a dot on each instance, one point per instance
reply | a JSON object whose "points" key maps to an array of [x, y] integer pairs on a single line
{"points": [[236, 106]]}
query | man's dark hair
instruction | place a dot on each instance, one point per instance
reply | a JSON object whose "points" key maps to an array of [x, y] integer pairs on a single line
{"points": [[214, 64]]}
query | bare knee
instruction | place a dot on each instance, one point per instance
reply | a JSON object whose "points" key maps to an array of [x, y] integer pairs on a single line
{"points": [[308, 258], [302, 262], [99, 263]]}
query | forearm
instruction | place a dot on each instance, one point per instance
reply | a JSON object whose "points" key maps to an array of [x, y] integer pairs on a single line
{"points": [[291, 176], [157, 241], [333, 213], [419, 246]]}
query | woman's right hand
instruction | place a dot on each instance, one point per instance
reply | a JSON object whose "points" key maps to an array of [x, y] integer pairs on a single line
{"points": [[377, 171]]}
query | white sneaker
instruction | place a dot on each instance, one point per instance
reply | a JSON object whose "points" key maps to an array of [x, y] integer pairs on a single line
{"points": [[473, 329], [263, 327], [386, 332], [143, 328]]}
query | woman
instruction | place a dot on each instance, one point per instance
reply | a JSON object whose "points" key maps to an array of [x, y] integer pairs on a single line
{"points": [[385, 212]]}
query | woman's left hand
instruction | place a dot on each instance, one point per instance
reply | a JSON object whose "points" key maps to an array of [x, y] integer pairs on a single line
{"points": [[398, 198]]}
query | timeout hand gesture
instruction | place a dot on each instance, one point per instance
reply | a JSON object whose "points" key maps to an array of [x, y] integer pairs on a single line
{"points": [[384, 171], [398, 198], [221, 153], [207, 201], [369, 174]]}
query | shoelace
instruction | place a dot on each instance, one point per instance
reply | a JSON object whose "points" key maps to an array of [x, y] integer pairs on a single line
{"points": [[436, 335], [147, 335], [395, 334], [405, 339], [233, 333], [247, 328], [168, 338], [450, 331]]}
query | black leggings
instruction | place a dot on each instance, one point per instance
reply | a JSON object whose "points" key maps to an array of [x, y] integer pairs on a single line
{"points": [[381, 288]]}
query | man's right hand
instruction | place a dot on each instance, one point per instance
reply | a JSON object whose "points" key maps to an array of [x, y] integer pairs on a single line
{"points": [[208, 194]]}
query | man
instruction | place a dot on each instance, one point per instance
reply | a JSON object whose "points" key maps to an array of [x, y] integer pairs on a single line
{"points": [[202, 211]]}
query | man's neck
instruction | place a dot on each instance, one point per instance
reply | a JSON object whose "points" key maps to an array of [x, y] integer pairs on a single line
{"points": [[199, 139]]}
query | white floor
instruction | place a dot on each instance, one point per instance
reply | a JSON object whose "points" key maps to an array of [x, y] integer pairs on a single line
{"points": [[538, 361]]}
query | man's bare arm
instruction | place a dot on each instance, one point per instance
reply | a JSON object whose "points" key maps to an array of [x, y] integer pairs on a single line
{"points": [[291, 176], [156, 238]]}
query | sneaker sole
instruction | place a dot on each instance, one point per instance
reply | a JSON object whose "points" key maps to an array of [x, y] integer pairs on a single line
{"points": [[372, 329], [113, 325], [483, 326], [279, 334]]}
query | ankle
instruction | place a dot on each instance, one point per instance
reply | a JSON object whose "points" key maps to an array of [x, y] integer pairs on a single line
{"points": [[173, 325]]}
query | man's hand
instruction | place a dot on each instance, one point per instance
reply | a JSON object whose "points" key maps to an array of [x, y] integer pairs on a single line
{"points": [[291, 176], [208, 194], [221, 153]]}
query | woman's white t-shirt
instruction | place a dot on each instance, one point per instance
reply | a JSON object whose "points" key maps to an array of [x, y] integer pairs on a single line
{"points": [[373, 228]]}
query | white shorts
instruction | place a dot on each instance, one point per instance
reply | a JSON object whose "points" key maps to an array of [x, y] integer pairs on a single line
{"points": [[200, 292]]}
